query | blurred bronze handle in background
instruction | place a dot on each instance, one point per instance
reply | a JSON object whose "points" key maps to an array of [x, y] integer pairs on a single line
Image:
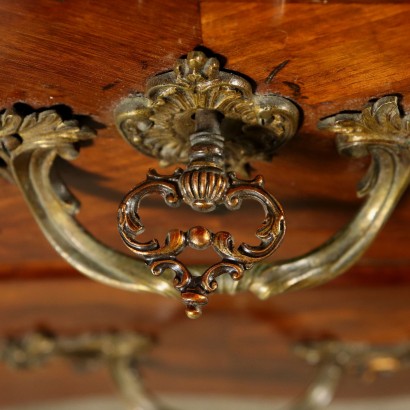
{"points": [[122, 352]]}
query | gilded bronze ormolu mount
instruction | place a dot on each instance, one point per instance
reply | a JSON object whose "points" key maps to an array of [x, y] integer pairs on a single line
{"points": [[209, 119]]}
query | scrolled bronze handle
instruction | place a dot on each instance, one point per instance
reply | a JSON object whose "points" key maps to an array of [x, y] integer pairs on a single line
{"points": [[204, 185], [233, 127]]}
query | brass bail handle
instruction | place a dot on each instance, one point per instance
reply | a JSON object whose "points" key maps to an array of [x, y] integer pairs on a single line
{"points": [[204, 185]]}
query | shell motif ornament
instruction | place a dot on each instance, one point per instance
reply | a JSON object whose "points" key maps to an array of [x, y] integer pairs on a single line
{"points": [[160, 122], [205, 184]]}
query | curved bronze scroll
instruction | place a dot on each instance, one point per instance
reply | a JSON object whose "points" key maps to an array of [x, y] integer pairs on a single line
{"points": [[381, 132], [159, 122], [203, 185], [30, 144]]}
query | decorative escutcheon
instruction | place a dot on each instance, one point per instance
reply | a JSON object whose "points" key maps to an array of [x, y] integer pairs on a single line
{"points": [[210, 119]]}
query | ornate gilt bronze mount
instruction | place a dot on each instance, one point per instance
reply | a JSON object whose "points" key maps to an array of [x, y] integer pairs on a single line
{"points": [[211, 119], [160, 122], [203, 185]]}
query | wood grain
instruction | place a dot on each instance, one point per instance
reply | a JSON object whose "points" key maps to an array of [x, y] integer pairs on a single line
{"points": [[340, 55]]}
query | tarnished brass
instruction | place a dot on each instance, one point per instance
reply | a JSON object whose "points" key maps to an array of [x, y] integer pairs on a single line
{"points": [[23, 134], [30, 143], [203, 185], [120, 353], [160, 122]]}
